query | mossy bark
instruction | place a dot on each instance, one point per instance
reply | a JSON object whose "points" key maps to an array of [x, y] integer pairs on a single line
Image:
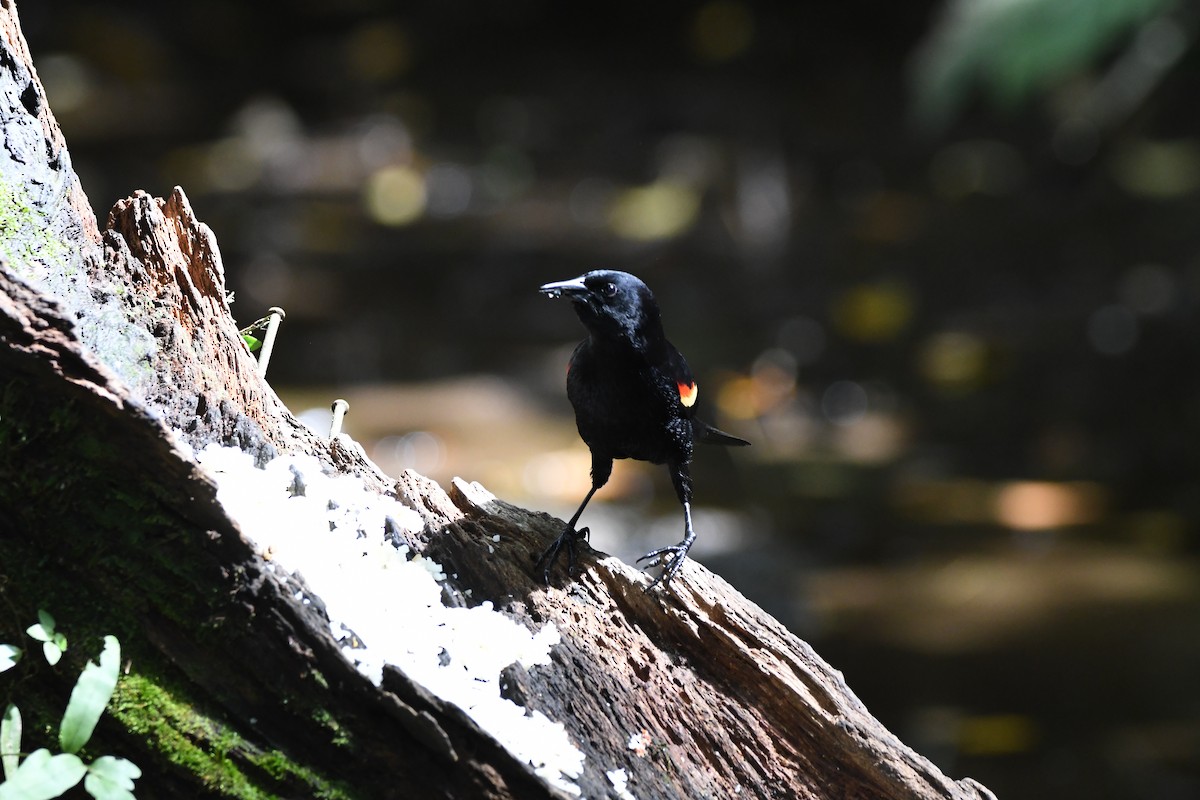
{"points": [[232, 687]]}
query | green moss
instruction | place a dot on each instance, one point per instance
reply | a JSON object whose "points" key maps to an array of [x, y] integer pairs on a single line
{"points": [[338, 735], [25, 239], [39, 253], [174, 730], [284, 770], [102, 553], [206, 749]]}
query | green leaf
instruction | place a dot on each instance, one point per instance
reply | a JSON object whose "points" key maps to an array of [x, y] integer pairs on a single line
{"points": [[1015, 48], [89, 697], [52, 652], [111, 778], [54, 643], [10, 741], [10, 654], [252, 343], [43, 777]]}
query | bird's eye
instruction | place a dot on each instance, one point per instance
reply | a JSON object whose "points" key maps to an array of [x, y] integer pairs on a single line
{"points": [[609, 289]]}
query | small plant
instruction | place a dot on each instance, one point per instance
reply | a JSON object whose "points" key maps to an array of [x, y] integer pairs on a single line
{"points": [[9, 656], [53, 642], [42, 775], [252, 342]]}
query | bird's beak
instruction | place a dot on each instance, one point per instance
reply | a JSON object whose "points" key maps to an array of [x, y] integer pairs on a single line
{"points": [[560, 288]]}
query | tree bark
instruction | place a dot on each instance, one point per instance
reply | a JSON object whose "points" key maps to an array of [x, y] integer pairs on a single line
{"points": [[234, 688]]}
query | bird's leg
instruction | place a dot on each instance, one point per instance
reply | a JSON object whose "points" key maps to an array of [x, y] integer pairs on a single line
{"points": [[678, 551], [681, 478], [567, 540]]}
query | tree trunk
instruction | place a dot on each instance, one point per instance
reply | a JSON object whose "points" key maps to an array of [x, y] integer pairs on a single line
{"points": [[117, 351]]}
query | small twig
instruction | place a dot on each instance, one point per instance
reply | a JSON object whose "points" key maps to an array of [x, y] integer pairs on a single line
{"points": [[264, 358], [340, 407], [259, 324]]}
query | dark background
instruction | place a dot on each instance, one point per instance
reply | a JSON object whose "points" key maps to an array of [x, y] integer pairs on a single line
{"points": [[945, 278]]}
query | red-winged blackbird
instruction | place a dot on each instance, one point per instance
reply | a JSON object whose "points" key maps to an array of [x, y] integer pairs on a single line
{"points": [[634, 397]]}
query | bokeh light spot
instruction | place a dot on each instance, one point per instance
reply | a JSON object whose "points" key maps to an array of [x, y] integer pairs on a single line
{"points": [[449, 187], [1041, 505], [1148, 289], [873, 312], [803, 337], [395, 195], [981, 166], [1112, 330], [736, 398], [1158, 169], [997, 734], [660, 210], [384, 139], [954, 360], [844, 402], [232, 165], [422, 451], [379, 51], [559, 474], [722, 30], [892, 217], [507, 173], [871, 438], [590, 201], [67, 81]]}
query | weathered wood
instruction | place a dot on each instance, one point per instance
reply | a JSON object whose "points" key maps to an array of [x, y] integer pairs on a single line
{"points": [[36, 157], [728, 702], [105, 515], [106, 519], [205, 383], [722, 695]]}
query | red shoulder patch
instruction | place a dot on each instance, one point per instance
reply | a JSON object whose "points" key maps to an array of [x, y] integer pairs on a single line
{"points": [[687, 393]]}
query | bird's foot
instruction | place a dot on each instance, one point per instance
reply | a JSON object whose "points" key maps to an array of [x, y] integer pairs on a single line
{"points": [[565, 541], [671, 565]]}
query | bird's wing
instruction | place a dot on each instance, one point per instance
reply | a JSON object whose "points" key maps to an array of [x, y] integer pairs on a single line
{"points": [[685, 384], [678, 372]]}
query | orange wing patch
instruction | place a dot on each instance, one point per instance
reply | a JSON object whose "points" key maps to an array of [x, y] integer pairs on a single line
{"points": [[687, 393]]}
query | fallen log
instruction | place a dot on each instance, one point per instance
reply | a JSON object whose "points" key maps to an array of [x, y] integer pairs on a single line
{"points": [[126, 401]]}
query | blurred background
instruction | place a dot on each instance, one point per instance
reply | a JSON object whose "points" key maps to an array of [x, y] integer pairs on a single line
{"points": [[939, 260]]}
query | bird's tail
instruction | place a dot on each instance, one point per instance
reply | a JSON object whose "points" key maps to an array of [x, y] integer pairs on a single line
{"points": [[709, 435]]}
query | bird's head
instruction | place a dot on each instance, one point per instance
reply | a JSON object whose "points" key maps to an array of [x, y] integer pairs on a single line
{"points": [[614, 306]]}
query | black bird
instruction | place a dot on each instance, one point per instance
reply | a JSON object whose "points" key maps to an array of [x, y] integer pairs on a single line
{"points": [[634, 397]]}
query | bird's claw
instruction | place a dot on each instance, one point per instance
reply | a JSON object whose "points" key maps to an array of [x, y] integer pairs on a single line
{"points": [[566, 540], [679, 555]]}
